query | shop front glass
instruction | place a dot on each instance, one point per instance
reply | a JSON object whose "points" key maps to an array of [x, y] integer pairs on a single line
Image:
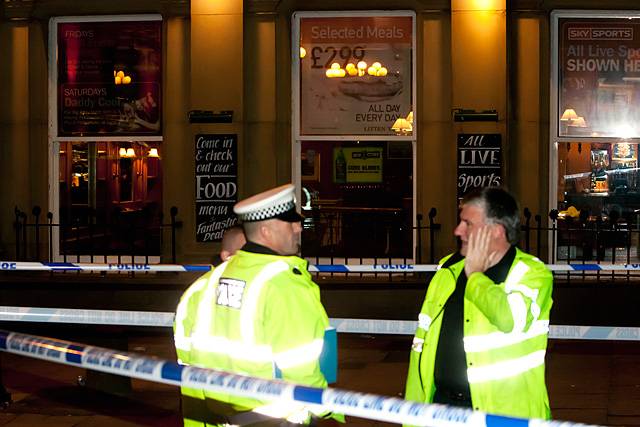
{"points": [[353, 122], [110, 198], [596, 130], [357, 198], [106, 134]]}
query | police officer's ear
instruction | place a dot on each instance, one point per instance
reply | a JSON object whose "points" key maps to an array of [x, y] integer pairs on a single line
{"points": [[267, 231], [498, 232]]}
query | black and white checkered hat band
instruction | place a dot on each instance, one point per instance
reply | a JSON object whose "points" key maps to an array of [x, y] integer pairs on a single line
{"points": [[267, 212]]}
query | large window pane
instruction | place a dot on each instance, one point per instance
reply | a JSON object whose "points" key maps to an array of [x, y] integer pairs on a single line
{"points": [[110, 198], [357, 199]]}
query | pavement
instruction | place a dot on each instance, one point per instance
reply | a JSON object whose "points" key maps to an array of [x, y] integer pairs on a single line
{"points": [[590, 382]]}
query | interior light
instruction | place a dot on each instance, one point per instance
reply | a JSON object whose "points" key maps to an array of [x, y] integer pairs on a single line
{"points": [[122, 152], [410, 117], [579, 122], [131, 152], [569, 114], [153, 152], [401, 125]]}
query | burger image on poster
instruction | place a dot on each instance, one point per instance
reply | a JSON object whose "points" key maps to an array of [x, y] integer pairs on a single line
{"points": [[371, 88], [374, 82]]}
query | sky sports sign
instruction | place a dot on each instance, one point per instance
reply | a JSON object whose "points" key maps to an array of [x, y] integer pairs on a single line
{"points": [[599, 33]]}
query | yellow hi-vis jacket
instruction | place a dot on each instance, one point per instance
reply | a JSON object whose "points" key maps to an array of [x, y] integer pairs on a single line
{"points": [[505, 338], [257, 315]]}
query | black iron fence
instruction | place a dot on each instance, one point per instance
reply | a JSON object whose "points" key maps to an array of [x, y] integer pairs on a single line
{"points": [[370, 236], [556, 239], [135, 234]]}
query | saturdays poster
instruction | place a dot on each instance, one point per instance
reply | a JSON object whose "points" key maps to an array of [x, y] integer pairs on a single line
{"points": [[109, 78], [356, 76], [599, 77]]}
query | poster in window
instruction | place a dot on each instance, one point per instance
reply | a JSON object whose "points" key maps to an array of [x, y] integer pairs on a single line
{"points": [[357, 165], [355, 74], [109, 78], [599, 77]]}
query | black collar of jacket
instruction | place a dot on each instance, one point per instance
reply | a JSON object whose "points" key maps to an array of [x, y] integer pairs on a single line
{"points": [[258, 249]]}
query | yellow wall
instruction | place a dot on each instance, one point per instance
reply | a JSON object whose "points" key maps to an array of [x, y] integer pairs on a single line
{"points": [[216, 83]]}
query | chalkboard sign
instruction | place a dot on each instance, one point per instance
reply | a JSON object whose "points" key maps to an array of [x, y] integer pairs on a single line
{"points": [[479, 162], [216, 185]]}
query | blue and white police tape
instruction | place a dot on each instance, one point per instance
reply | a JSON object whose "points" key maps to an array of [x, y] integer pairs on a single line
{"points": [[342, 325], [370, 406], [427, 268], [70, 266], [319, 268]]}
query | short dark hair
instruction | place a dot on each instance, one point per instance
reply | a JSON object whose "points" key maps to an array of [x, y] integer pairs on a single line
{"points": [[500, 207]]}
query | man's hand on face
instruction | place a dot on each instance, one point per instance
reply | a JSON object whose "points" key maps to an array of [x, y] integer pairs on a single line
{"points": [[479, 255]]}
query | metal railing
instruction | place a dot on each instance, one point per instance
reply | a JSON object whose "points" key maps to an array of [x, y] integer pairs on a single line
{"points": [[122, 235], [375, 236], [555, 239]]}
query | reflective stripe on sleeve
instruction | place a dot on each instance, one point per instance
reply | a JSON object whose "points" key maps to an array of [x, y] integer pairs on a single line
{"points": [[300, 355], [182, 342], [518, 311], [477, 343], [417, 344], [513, 285], [505, 369], [424, 321]]}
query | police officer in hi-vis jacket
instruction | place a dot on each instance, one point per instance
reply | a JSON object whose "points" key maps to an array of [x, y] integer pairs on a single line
{"points": [[482, 331], [258, 314]]}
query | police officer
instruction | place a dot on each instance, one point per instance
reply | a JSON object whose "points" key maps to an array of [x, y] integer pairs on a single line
{"points": [[482, 331], [259, 314]]}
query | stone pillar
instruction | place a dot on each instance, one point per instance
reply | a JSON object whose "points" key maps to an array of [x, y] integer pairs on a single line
{"points": [[14, 128], [479, 71], [216, 78]]}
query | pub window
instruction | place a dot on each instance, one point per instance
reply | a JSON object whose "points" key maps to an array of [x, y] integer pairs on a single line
{"points": [[107, 191], [354, 97], [595, 130], [106, 135]]}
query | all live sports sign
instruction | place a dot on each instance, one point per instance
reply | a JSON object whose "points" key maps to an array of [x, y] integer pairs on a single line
{"points": [[479, 162]]}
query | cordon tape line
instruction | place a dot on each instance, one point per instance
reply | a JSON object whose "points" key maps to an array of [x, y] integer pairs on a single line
{"points": [[319, 268], [342, 325], [370, 406]]}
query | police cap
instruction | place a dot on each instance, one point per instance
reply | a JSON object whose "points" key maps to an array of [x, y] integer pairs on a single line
{"points": [[277, 203]]}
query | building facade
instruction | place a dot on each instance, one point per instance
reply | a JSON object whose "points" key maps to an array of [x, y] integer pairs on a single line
{"points": [[210, 101]]}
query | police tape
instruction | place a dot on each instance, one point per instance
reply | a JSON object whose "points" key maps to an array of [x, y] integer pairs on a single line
{"points": [[342, 325], [370, 406], [87, 317], [318, 268], [427, 268], [114, 267]]}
